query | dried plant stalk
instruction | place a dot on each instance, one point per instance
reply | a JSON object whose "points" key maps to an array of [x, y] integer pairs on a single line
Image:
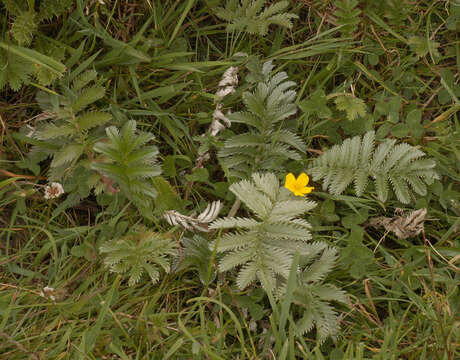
{"points": [[194, 223]]}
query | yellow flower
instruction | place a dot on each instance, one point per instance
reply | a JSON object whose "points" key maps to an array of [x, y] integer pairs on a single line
{"points": [[298, 186]]}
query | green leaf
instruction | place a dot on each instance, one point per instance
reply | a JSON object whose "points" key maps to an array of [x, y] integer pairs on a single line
{"points": [[196, 255], [347, 15], [130, 164], [139, 251], [24, 27], [356, 256], [198, 175], [414, 118], [92, 119], [35, 57], [316, 104], [14, 69], [356, 159], [167, 198], [50, 8], [31, 162], [422, 46], [85, 250], [400, 130], [252, 17], [53, 131], [83, 79], [350, 221], [353, 106], [87, 97], [67, 154]]}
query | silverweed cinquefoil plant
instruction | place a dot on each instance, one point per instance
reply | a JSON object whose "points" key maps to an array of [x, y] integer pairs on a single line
{"points": [[253, 17], [140, 251], [268, 144], [264, 246], [401, 166]]}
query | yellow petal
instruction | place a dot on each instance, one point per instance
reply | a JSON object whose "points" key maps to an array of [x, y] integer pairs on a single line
{"points": [[307, 190], [290, 181], [298, 192], [302, 180]]}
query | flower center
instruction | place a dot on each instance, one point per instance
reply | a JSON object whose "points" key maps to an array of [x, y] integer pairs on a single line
{"points": [[298, 186]]}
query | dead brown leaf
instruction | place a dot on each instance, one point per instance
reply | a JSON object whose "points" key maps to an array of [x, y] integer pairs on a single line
{"points": [[403, 226]]}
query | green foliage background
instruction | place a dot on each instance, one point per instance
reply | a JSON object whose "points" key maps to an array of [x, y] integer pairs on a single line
{"points": [[114, 100]]}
